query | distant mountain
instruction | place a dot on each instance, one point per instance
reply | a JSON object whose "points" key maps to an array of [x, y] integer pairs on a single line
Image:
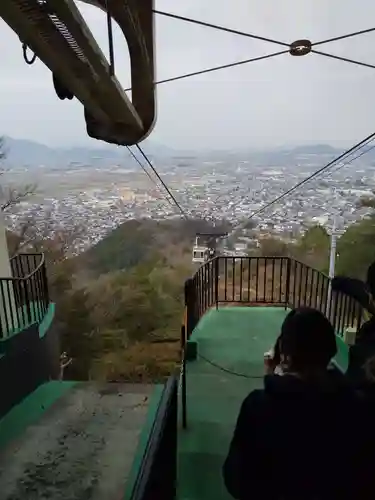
{"points": [[23, 152], [320, 149]]}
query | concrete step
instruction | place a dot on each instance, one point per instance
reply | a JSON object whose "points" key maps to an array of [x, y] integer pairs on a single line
{"points": [[83, 446]]}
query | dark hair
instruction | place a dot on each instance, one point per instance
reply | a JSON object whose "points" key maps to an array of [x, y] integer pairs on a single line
{"points": [[370, 279], [308, 339]]}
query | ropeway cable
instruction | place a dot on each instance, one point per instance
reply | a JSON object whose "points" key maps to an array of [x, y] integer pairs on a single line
{"points": [[261, 38], [162, 182], [148, 174], [218, 68], [353, 159], [355, 149], [257, 37], [321, 170]]}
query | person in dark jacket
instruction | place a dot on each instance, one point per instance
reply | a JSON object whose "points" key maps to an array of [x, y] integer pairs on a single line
{"points": [[364, 348], [292, 439]]}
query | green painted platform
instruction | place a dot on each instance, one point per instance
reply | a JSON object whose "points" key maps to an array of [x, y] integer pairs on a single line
{"points": [[234, 338], [82, 433]]}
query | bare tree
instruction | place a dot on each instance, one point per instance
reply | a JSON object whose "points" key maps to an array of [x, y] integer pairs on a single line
{"points": [[367, 201], [2, 148], [10, 196], [58, 243]]}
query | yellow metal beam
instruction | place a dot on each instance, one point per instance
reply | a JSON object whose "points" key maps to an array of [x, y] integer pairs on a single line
{"points": [[57, 33]]}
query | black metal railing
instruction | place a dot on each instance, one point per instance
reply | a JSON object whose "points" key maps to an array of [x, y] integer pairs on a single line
{"points": [[24, 297], [281, 281], [157, 476]]}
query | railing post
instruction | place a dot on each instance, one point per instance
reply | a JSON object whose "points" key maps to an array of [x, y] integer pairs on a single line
{"points": [[183, 378], [174, 441], [28, 298], [45, 285], [287, 282], [217, 282], [190, 307], [333, 315]]}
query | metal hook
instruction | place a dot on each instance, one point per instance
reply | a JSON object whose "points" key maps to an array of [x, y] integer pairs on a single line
{"points": [[24, 51]]}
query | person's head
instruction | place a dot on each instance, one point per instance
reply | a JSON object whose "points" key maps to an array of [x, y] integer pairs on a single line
{"points": [[307, 341]]}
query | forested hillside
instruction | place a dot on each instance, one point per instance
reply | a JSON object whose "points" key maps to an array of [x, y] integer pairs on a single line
{"points": [[119, 305], [137, 241]]}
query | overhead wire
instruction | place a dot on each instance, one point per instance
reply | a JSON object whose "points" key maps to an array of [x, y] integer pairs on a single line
{"points": [[256, 37], [344, 59], [161, 180], [355, 149], [343, 37], [349, 162], [219, 28], [217, 68], [252, 35], [333, 162], [353, 159], [253, 59], [237, 63], [259, 58], [147, 173], [142, 166]]}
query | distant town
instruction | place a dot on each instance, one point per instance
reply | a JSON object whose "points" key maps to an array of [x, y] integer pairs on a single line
{"points": [[103, 192]]}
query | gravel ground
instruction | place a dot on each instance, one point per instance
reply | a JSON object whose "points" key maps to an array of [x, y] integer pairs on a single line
{"points": [[81, 449]]}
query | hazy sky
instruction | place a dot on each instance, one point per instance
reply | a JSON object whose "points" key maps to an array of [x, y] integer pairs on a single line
{"points": [[284, 100]]}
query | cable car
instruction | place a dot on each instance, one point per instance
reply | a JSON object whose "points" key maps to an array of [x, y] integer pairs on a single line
{"points": [[200, 252], [208, 250]]}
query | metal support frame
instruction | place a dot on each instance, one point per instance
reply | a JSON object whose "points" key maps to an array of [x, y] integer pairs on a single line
{"points": [[58, 34]]}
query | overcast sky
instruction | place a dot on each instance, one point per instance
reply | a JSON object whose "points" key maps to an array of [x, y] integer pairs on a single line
{"points": [[280, 101]]}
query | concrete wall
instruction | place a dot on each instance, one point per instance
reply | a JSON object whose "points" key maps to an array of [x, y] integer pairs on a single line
{"points": [[28, 362], [7, 300]]}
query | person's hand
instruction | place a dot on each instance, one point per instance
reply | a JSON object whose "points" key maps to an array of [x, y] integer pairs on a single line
{"points": [[269, 363]]}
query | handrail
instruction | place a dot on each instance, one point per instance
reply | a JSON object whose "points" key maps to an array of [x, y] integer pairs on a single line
{"points": [[158, 471], [40, 265], [282, 281], [24, 297]]}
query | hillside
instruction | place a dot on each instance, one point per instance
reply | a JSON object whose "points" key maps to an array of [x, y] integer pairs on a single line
{"points": [[119, 305], [136, 241]]}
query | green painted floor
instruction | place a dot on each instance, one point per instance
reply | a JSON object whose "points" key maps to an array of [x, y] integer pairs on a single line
{"points": [[234, 338]]}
